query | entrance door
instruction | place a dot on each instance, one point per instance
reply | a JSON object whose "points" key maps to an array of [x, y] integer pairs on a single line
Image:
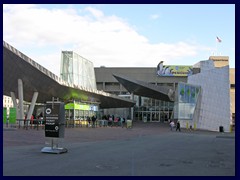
{"points": [[155, 117]]}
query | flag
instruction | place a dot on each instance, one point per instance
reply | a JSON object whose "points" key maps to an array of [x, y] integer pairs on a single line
{"points": [[218, 40]]}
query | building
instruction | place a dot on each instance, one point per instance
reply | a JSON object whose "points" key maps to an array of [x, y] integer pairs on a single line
{"points": [[7, 103], [146, 108], [133, 83], [220, 61], [198, 94]]}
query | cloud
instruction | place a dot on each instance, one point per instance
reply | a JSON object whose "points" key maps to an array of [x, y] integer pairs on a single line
{"points": [[104, 40]]}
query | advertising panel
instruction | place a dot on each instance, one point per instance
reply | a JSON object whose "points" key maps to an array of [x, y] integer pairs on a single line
{"points": [[12, 116], [4, 115], [77, 106], [173, 70]]}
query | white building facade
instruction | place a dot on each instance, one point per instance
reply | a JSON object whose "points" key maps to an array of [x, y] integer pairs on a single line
{"points": [[213, 106]]}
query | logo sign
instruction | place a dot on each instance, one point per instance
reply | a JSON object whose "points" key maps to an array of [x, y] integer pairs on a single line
{"points": [[48, 111]]}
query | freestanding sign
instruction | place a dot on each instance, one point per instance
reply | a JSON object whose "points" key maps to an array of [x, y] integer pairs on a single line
{"points": [[54, 125], [54, 120]]}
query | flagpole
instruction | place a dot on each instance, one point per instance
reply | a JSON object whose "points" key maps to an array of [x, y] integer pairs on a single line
{"points": [[216, 47]]}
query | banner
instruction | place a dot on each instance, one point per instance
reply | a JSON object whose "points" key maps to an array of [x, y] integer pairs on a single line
{"points": [[4, 115], [77, 106], [12, 116], [163, 70]]}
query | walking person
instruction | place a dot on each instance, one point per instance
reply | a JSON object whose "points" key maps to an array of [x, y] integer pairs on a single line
{"points": [[172, 125], [178, 126], [89, 121], [93, 121]]}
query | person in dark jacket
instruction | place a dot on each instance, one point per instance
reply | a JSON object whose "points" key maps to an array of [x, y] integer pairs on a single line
{"points": [[178, 126], [93, 121]]}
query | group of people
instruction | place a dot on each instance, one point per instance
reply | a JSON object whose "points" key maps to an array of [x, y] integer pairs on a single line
{"points": [[111, 120], [114, 121], [34, 120], [93, 120], [178, 126]]}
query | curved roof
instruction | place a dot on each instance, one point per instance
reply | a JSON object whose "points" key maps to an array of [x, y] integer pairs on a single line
{"points": [[36, 78]]}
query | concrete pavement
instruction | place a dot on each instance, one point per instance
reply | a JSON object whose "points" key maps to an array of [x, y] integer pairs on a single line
{"points": [[145, 150]]}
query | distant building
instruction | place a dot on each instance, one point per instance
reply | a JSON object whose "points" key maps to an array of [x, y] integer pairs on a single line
{"points": [[7, 102], [135, 83]]}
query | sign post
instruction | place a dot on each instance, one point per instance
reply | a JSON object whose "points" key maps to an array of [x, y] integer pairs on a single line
{"points": [[54, 126]]}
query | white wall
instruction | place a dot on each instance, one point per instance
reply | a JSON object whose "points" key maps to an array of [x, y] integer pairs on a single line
{"points": [[215, 102]]}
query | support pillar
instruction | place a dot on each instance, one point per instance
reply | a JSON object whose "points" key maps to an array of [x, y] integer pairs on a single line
{"points": [[15, 104], [20, 96], [132, 98], [34, 99]]}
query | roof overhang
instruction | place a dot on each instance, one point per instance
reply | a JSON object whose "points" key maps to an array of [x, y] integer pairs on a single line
{"points": [[145, 89], [36, 78]]}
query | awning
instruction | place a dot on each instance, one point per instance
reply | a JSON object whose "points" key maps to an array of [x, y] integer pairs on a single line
{"points": [[36, 78], [145, 89]]}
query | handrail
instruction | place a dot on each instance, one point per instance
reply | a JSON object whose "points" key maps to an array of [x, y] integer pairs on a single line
{"points": [[31, 122]]}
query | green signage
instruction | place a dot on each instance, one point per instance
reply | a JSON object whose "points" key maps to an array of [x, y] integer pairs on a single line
{"points": [[12, 116], [77, 106], [4, 115], [69, 106]]}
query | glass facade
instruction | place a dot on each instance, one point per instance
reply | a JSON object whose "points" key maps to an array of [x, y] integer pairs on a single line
{"points": [[80, 111], [77, 70], [77, 113], [152, 110], [186, 100]]}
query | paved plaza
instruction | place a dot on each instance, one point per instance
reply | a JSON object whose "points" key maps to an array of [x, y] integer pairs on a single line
{"points": [[147, 149]]}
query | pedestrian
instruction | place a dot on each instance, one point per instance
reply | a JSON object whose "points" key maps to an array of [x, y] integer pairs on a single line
{"points": [[93, 121], [172, 125], [123, 122], [89, 121], [178, 126]]}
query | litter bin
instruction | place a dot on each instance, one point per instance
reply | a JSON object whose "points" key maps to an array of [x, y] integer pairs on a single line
{"points": [[129, 123], [221, 129]]}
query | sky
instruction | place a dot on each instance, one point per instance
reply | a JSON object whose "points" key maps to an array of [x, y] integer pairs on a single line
{"points": [[121, 35]]}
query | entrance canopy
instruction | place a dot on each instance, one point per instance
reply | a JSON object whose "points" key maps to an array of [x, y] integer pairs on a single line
{"points": [[36, 78], [144, 89]]}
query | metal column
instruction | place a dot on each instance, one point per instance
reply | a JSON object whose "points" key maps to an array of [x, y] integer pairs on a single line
{"points": [[132, 98], [15, 104], [20, 96], [34, 99]]}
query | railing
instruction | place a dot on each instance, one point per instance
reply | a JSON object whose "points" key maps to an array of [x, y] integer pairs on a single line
{"points": [[40, 124], [31, 123]]}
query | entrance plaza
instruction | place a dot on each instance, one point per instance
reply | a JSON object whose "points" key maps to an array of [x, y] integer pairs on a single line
{"points": [[146, 149]]}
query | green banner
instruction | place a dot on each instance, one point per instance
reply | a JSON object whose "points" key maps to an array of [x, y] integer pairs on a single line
{"points": [[69, 106], [77, 106], [4, 115], [12, 116]]}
